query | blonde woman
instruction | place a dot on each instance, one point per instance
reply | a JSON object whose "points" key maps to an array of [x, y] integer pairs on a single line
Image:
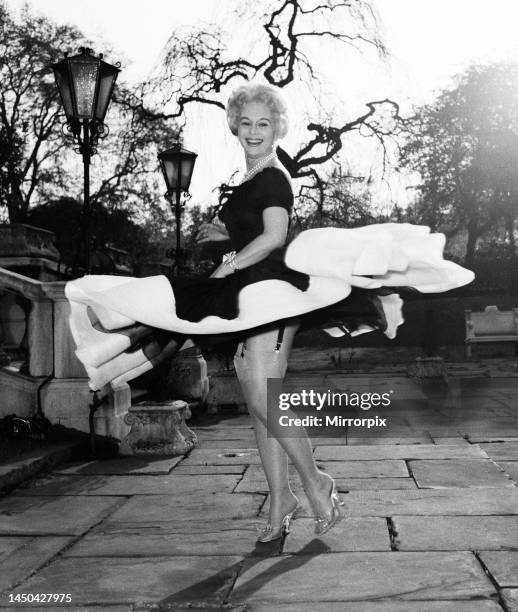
{"points": [[342, 280]]}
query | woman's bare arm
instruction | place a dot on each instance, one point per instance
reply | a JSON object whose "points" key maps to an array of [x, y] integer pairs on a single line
{"points": [[275, 222]]}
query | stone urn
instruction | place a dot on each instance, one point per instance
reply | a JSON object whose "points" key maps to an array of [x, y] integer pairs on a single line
{"points": [[158, 428]]}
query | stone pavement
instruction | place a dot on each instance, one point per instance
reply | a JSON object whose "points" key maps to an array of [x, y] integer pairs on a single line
{"points": [[431, 515]]}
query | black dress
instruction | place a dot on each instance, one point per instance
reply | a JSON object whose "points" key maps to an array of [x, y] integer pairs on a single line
{"points": [[333, 278], [242, 215]]}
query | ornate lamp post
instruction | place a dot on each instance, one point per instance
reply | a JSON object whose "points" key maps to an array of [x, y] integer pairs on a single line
{"points": [[177, 166], [85, 84]]}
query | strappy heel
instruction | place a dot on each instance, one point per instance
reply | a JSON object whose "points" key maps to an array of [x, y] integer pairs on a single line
{"points": [[267, 533], [322, 525]]}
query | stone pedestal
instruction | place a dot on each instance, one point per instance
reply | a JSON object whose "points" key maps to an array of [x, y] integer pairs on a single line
{"points": [[428, 367], [158, 428], [187, 376], [67, 401], [225, 389]]}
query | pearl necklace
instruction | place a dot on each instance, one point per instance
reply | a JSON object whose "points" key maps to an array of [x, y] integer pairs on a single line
{"points": [[260, 164]]}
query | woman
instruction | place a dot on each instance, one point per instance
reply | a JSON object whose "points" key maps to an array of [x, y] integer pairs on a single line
{"points": [[258, 213], [263, 291]]}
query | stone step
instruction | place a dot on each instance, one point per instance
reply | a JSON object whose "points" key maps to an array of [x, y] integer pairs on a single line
{"points": [[26, 466]]}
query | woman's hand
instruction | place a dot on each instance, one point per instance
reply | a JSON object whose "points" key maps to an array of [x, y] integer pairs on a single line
{"points": [[221, 271], [211, 232]]}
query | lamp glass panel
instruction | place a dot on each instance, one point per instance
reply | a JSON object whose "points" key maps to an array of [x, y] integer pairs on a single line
{"points": [[61, 75], [187, 167], [171, 171], [84, 77], [107, 77]]}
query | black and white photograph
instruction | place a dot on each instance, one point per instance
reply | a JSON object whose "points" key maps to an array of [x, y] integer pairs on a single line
{"points": [[259, 305]]}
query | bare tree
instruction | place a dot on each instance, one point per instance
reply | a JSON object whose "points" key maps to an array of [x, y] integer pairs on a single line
{"points": [[30, 122], [198, 67]]}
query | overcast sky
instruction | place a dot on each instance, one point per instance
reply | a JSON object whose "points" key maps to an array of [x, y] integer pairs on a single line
{"points": [[429, 42]]}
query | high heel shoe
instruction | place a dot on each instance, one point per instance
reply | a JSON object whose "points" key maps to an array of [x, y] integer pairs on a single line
{"points": [[267, 533], [322, 525]]}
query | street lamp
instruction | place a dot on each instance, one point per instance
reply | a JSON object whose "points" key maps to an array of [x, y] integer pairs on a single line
{"points": [[177, 166], [85, 85]]}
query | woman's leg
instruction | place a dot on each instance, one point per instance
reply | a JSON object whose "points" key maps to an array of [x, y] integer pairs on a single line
{"points": [[273, 457], [254, 365], [275, 464]]}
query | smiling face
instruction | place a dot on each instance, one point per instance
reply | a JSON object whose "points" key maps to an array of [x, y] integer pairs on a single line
{"points": [[255, 130]]}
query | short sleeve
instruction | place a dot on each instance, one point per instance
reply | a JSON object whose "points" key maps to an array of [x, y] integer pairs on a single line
{"points": [[274, 189]]}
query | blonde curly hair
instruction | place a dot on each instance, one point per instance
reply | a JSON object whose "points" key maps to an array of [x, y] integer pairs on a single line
{"points": [[256, 92]]}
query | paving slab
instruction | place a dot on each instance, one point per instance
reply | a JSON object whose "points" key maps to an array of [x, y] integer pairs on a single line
{"points": [[228, 445], [374, 484], [20, 556], [254, 479], [379, 438], [449, 473], [510, 468], [226, 434], [155, 580], [202, 507], [489, 437], [31, 463], [23, 515], [502, 450], [510, 597], [121, 466], [228, 422], [425, 502], [185, 608], [350, 534], [171, 484], [452, 407], [384, 605], [448, 441], [503, 438], [351, 576], [503, 566], [343, 485], [488, 427], [456, 532], [410, 451], [388, 468], [398, 431], [4, 603], [193, 470], [209, 456], [169, 539]]}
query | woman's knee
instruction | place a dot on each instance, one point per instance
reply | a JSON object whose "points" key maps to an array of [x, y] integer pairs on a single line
{"points": [[265, 354]]}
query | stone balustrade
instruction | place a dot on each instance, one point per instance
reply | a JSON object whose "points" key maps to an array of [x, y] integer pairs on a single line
{"points": [[51, 378], [22, 240], [39, 370]]}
